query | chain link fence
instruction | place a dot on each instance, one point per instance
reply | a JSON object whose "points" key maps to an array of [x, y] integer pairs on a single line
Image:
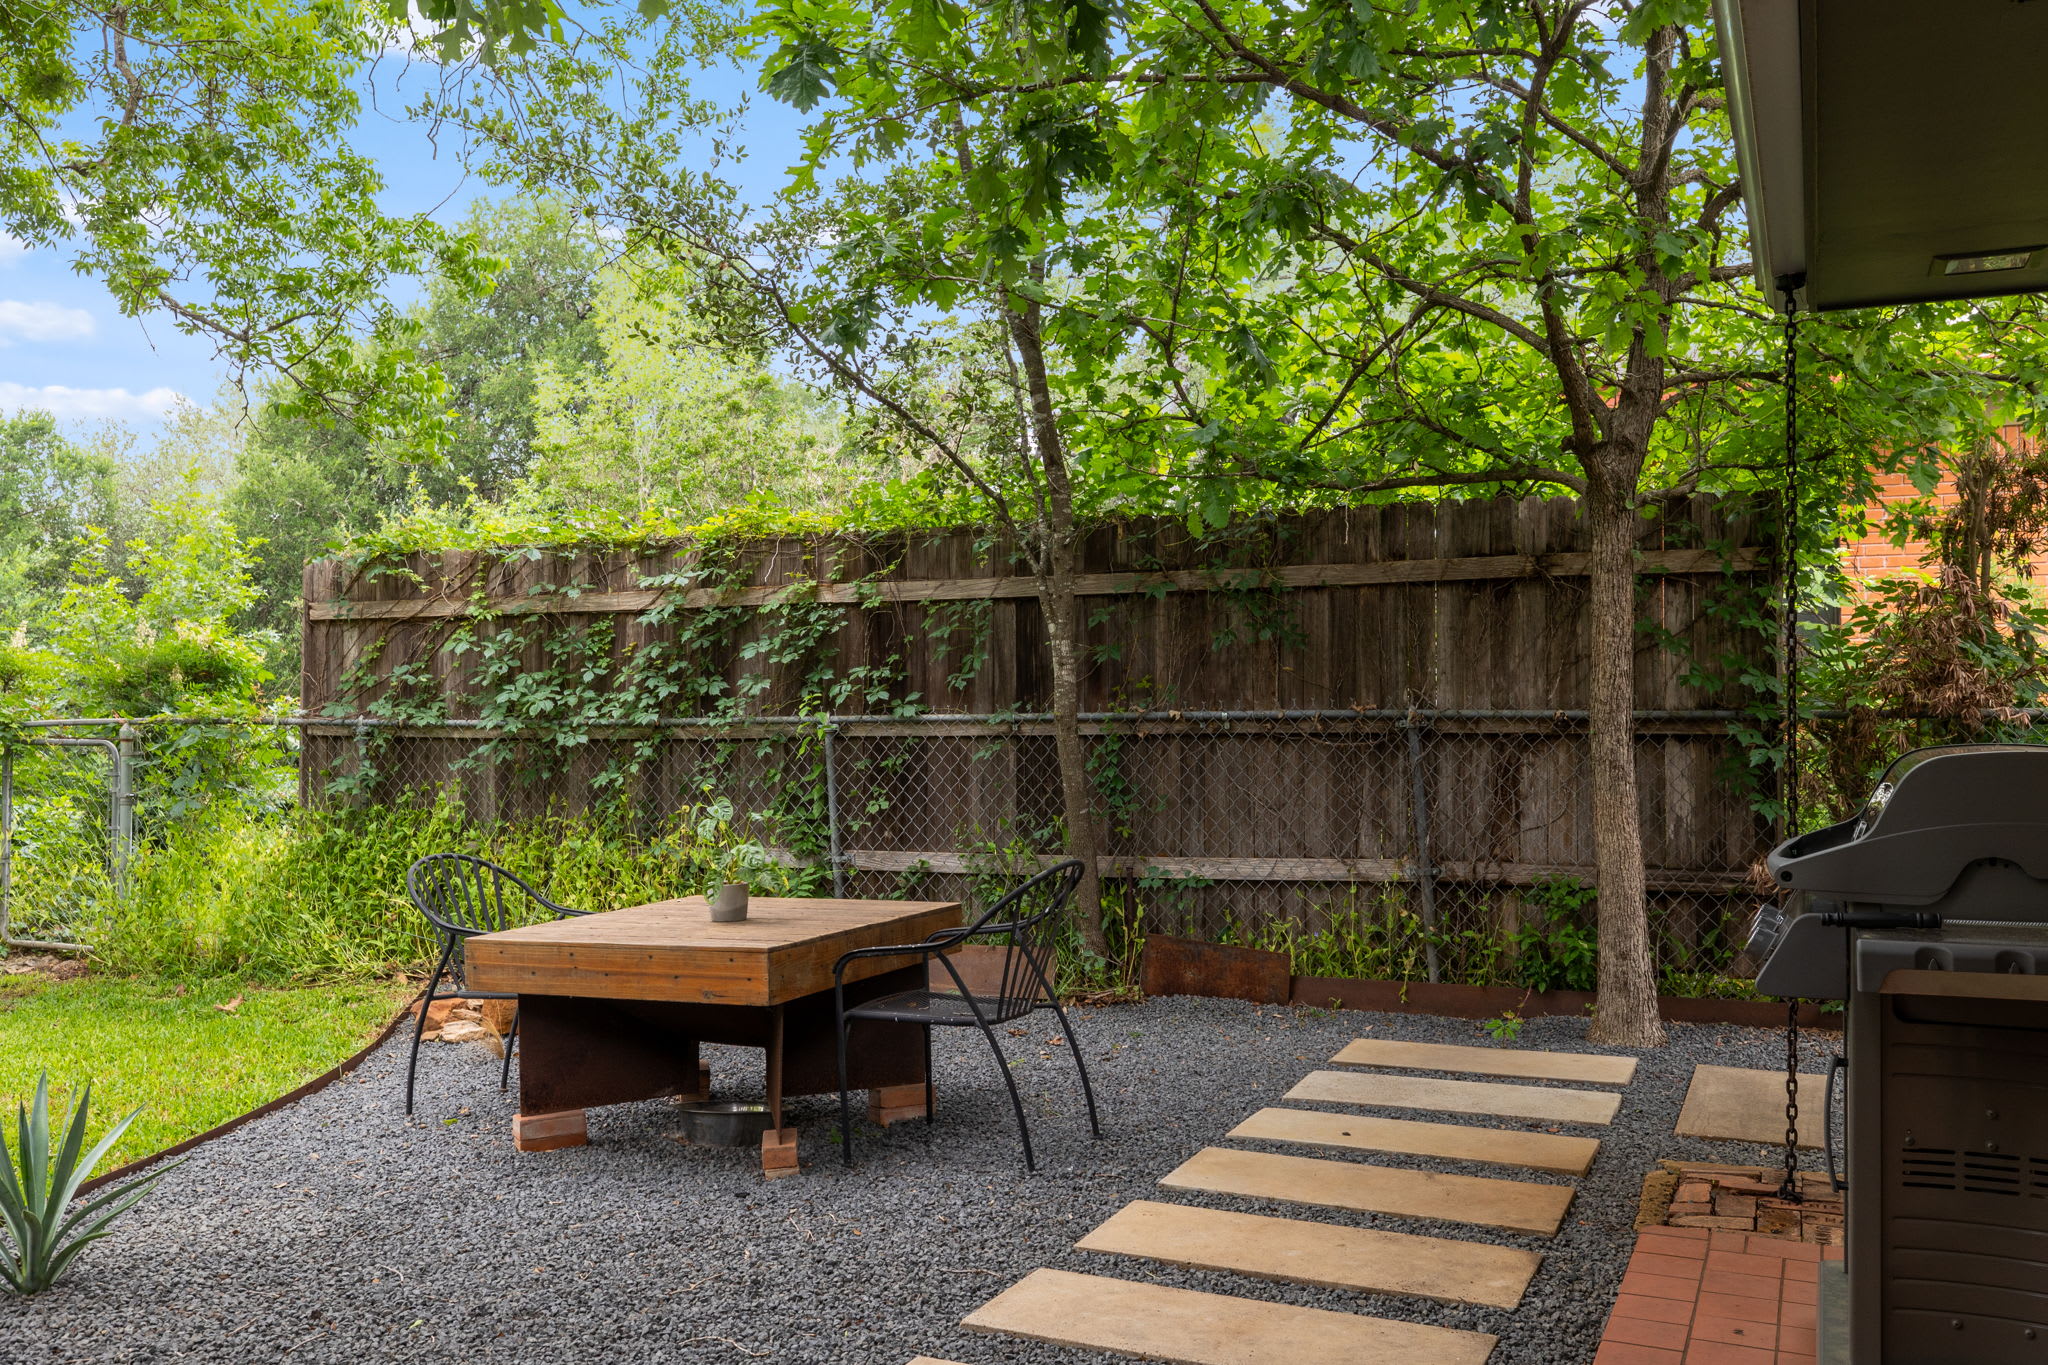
{"points": [[1417, 844]]}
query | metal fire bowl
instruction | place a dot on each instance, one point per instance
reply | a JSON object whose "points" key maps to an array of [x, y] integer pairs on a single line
{"points": [[724, 1123]]}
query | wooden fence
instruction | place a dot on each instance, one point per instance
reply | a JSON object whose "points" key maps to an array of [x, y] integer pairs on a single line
{"points": [[1474, 612]]}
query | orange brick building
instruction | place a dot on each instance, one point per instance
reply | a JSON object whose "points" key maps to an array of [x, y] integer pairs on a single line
{"points": [[1874, 556]]}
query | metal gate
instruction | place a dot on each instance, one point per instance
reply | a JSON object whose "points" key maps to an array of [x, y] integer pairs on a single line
{"points": [[67, 816]]}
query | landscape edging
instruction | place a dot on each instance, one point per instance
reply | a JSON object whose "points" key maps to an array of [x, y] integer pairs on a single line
{"points": [[222, 1129], [1225, 971]]}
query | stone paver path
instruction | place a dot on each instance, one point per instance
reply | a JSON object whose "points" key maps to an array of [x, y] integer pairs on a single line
{"points": [[1153, 1322], [1364, 1259], [1365, 1188], [1587, 1068], [1488, 1098], [1413, 1137]]}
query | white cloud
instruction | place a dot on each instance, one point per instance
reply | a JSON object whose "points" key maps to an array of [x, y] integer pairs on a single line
{"points": [[42, 322], [12, 249], [63, 401]]}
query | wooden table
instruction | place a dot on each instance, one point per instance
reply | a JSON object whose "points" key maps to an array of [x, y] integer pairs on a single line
{"points": [[612, 1007]]}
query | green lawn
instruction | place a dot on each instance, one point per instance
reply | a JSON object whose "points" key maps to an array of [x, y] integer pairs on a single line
{"points": [[163, 1046]]}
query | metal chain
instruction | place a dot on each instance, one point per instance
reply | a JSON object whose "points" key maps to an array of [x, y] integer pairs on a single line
{"points": [[1788, 1188], [1789, 556]]}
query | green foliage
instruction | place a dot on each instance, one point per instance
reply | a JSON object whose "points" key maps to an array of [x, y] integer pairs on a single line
{"points": [[660, 424], [731, 851], [51, 489], [1506, 1029], [1383, 939], [192, 158], [39, 1179], [320, 895], [1554, 950]]}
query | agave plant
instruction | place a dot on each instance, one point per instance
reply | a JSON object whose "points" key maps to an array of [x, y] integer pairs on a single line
{"points": [[36, 1187]]}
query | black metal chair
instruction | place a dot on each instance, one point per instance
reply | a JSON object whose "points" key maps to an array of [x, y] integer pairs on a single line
{"points": [[1023, 924], [463, 896]]}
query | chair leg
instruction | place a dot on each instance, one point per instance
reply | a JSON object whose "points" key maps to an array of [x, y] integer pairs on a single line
{"points": [[845, 1105], [511, 1037], [1016, 1102], [1074, 1046], [419, 1027], [931, 1090]]}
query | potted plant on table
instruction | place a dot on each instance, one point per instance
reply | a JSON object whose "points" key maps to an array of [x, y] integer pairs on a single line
{"points": [[735, 858]]}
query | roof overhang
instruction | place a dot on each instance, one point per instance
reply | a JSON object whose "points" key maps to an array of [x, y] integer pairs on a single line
{"points": [[1892, 151]]}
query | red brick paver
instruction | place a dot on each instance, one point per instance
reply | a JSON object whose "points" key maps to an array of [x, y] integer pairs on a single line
{"points": [[1690, 1297]]}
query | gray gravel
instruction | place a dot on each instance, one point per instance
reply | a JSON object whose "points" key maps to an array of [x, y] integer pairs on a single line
{"points": [[337, 1231]]}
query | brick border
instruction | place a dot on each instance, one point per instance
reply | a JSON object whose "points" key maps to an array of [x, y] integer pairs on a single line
{"points": [[1691, 1296]]}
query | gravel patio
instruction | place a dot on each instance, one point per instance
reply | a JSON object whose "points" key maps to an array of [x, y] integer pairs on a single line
{"points": [[337, 1231]]}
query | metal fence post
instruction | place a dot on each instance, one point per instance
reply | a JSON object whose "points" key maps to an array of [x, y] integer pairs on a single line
{"points": [[121, 803], [1425, 865], [836, 854], [6, 841]]}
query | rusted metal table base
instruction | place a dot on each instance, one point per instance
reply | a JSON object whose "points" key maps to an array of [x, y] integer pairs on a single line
{"points": [[579, 1052]]}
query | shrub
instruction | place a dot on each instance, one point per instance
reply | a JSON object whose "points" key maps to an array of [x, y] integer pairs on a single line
{"points": [[38, 1183], [320, 895]]}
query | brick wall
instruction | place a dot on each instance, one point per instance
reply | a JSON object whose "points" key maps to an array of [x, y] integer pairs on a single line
{"points": [[1874, 556]]}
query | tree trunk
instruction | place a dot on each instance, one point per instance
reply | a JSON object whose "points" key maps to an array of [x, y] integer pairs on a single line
{"points": [[1062, 609], [1626, 1011]]}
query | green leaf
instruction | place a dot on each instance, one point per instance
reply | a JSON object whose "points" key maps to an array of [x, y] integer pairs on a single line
{"points": [[801, 73]]}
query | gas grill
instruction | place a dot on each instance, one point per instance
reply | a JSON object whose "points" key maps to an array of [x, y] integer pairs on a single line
{"points": [[1927, 913]]}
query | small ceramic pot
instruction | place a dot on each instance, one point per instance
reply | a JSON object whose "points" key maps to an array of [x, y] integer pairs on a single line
{"points": [[730, 904]]}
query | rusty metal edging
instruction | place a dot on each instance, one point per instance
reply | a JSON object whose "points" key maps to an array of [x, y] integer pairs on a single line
{"points": [[312, 1087]]}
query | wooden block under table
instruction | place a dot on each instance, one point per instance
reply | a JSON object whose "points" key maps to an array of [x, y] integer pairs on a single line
{"points": [[889, 1104], [703, 1090], [778, 1153], [546, 1132]]}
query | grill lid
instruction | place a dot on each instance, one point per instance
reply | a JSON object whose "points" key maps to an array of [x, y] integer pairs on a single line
{"points": [[1936, 813], [1951, 834]]}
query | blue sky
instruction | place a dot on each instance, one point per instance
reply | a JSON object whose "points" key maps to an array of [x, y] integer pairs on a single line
{"points": [[65, 346]]}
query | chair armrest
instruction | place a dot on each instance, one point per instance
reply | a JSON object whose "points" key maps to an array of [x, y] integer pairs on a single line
{"points": [[926, 949]]}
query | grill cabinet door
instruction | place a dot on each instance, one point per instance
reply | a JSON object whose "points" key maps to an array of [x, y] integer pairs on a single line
{"points": [[1963, 1204]]}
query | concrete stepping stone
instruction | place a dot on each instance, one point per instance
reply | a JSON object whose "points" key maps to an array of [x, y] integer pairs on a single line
{"points": [[1584, 1067], [1411, 1137], [1363, 1188], [1458, 1097], [1153, 1322], [1364, 1259], [1742, 1104]]}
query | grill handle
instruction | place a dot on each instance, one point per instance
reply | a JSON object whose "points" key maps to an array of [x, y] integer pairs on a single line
{"points": [[1836, 1066], [1880, 919]]}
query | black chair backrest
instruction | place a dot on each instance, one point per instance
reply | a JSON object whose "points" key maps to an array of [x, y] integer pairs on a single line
{"points": [[463, 895], [1025, 924]]}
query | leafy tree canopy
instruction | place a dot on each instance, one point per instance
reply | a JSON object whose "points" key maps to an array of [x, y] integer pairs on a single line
{"points": [[192, 155]]}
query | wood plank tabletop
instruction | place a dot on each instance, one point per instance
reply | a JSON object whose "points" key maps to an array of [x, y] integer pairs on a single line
{"points": [[671, 950]]}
